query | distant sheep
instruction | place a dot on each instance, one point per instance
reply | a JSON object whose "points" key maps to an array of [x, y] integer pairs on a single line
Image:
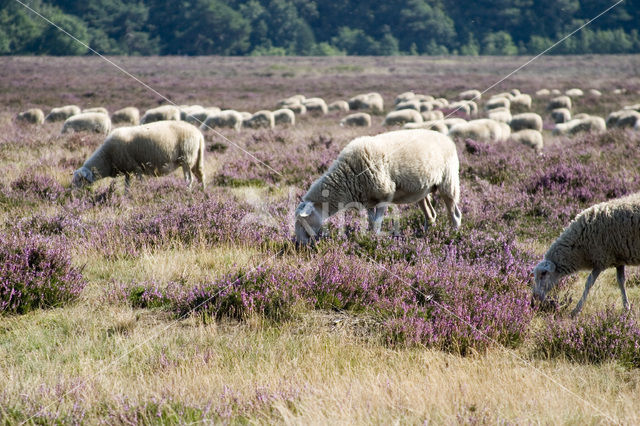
{"points": [[432, 115], [62, 113], [595, 92], [341, 106], [291, 100], [526, 120], [33, 116], [402, 116], [500, 114], [316, 106], [423, 98], [543, 92], [102, 110], [435, 125], [560, 115], [470, 95], [452, 121], [96, 122], [574, 93], [128, 115], [483, 129], [154, 149], [515, 92], [186, 110], [623, 119], [521, 102], [603, 236], [500, 102], [461, 107], [198, 117], [227, 118], [529, 137], [411, 104], [284, 116], [261, 119], [559, 102], [369, 102], [404, 97], [635, 107], [371, 172], [555, 92], [507, 95], [358, 119], [588, 124], [297, 108], [161, 113]]}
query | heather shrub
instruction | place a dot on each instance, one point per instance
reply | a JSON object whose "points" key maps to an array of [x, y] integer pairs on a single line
{"points": [[37, 187], [36, 272]]}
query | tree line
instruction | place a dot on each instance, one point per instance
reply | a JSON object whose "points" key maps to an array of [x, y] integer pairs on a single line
{"points": [[313, 27]]}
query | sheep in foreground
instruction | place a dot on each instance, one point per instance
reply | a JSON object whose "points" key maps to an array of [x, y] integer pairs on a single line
{"points": [[33, 116], [161, 113], [529, 137], [128, 115], [154, 149], [527, 120], [62, 113], [560, 115], [88, 122], [603, 236], [227, 118], [371, 172], [284, 116], [402, 116], [358, 119]]}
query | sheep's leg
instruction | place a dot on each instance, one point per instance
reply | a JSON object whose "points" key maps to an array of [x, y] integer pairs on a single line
{"points": [[455, 216], [187, 175], [376, 215], [429, 212], [199, 174], [591, 279], [621, 279]]}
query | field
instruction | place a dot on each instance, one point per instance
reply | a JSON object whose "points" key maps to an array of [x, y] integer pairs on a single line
{"points": [[166, 305]]}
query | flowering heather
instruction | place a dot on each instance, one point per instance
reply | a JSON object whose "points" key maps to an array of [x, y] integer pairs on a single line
{"points": [[36, 272], [32, 186]]}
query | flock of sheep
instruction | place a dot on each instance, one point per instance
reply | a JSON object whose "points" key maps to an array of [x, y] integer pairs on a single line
{"points": [[372, 172]]}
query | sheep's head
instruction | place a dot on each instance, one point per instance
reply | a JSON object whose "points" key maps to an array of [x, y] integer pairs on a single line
{"points": [[308, 222], [545, 278], [81, 177]]}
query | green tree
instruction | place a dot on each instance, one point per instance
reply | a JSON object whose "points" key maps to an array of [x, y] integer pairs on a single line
{"points": [[55, 42], [498, 43]]}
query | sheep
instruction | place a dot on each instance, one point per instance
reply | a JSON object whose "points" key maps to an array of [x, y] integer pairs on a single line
{"points": [[260, 119], [245, 115], [555, 92], [543, 92], [574, 93], [432, 115], [371, 172], [595, 92], [62, 113], [619, 91], [358, 119], [589, 124], [452, 121], [341, 106], [33, 116], [529, 137], [186, 110], [635, 107], [500, 114], [316, 106], [470, 95], [560, 115], [623, 118], [297, 108], [161, 113], [526, 120], [484, 129], [443, 101], [369, 102], [515, 92], [507, 95], [227, 118], [412, 104], [88, 122], [461, 106], [602, 236], [128, 115], [197, 118], [522, 101], [402, 116], [291, 100], [404, 97], [559, 102], [102, 110], [435, 125], [494, 103], [505, 131], [424, 98], [284, 116], [151, 149]]}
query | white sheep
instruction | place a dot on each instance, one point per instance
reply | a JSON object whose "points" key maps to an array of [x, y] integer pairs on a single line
{"points": [[543, 92], [284, 116], [635, 107], [432, 115], [102, 110], [470, 95], [227, 118], [591, 123], [128, 115], [452, 121], [261, 119], [424, 98], [500, 114], [404, 97], [161, 113], [529, 137], [154, 149], [522, 101], [461, 106], [526, 120], [197, 118], [574, 93], [371, 172], [497, 102], [316, 106], [291, 100], [507, 95], [368, 101], [603, 236], [560, 115], [33, 116], [484, 129], [62, 113], [410, 104], [88, 122], [358, 119], [402, 116], [559, 102], [297, 108], [186, 110], [623, 118], [341, 106], [595, 92], [555, 92], [435, 125]]}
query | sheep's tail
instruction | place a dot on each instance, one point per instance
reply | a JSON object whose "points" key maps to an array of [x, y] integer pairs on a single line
{"points": [[451, 179]]}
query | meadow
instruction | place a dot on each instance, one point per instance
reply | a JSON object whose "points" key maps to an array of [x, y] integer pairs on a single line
{"points": [[161, 304]]}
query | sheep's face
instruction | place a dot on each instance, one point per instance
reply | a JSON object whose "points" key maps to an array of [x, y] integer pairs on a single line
{"points": [[81, 177], [308, 222], [545, 278]]}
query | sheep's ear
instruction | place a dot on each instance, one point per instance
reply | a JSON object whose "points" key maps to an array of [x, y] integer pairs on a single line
{"points": [[547, 265], [305, 209]]}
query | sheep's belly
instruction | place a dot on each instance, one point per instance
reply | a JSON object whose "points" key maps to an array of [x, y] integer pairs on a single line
{"points": [[401, 197]]}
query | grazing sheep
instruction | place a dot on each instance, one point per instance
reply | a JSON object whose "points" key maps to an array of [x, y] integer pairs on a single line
{"points": [[555, 92], [623, 118], [358, 119], [515, 92], [88, 122], [371, 172], [424, 98], [369, 102], [128, 115], [560, 115], [291, 100], [507, 95], [603, 236], [432, 115], [435, 125], [526, 120], [529, 137], [591, 123], [574, 93], [500, 102], [580, 116], [595, 92], [484, 129], [33, 116], [154, 149], [522, 101], [297, 108], [341, 106], [161, 113], [412, 104], [260, 119], [506, 130], [402, 116], [186, 110], [470, 95], [228, 118], [245, 115], [404, 97], [635, 107], [461, 106], [62, 113], [316, 106], [620, 91], [452, 121], [500, 114], [559, 102], [284, 116], [442, 101], [102, 110], [543, 92], [199, 117]]}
